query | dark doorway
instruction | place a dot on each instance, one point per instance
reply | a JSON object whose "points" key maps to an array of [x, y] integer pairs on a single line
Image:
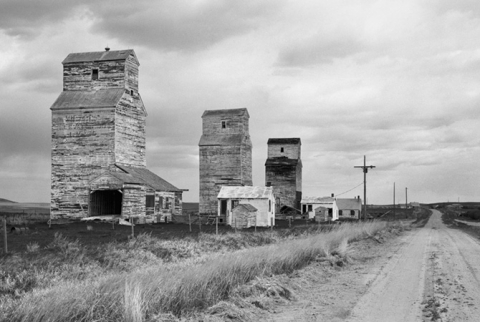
{"points": [[105, 202]]}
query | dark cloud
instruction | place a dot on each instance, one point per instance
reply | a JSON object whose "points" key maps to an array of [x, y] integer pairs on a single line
{"points": [[179, 25], [24, 17]]}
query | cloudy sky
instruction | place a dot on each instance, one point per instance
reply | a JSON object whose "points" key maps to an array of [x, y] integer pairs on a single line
{"points": [[397, 81]]}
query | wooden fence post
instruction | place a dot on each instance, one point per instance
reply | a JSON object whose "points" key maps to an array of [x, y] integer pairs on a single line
{"points": [[216, 225], [5, 248], [131, 224]]}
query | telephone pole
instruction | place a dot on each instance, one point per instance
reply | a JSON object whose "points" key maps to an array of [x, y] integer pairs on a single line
{"points": [[394, 214], [406, 198], [365, 168]]}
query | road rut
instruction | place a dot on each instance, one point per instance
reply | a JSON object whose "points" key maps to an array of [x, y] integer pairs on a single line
{"points": [[435, 276]]}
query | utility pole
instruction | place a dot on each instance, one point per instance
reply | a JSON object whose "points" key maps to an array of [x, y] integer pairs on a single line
{"points": [[406, 199], [394, 214], [365, 171]]}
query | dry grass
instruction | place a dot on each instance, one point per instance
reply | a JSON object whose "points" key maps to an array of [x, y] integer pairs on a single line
{"points": [[179, 287]]}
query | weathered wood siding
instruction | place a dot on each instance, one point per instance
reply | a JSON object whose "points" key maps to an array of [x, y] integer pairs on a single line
{"points": [[291, 151], [82, 148], [243, 218], [130, 120], [77, 76], [225, 155], [222, 165], [283, 171], [134, 200]]}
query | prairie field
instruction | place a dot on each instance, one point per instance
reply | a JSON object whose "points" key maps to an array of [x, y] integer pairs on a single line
{"points": [[148, 278]]}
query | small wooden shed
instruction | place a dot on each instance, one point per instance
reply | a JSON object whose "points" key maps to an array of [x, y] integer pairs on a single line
{"points": [[262, 198], [244, 216]]}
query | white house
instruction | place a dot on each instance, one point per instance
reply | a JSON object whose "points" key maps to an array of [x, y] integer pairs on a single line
{"points": [[310, 204], [262, 198], [349, 208]]}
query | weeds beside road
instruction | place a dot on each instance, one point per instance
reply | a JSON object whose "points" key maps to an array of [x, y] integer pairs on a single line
{"points": [[144, 277]]}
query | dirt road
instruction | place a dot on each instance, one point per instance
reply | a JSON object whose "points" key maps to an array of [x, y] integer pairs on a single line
{"points": [[428, 274], [434, 276]]}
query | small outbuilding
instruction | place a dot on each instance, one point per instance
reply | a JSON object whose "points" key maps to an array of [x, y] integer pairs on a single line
{"points": [[349, 208], [244, 216], [310, 204], [260, 198]]}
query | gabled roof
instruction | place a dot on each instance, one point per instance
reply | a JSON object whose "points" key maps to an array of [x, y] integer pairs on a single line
{"points": [[148, 177], [318, 200], [349, 204], [226, 113], [99, 56], [284, 141], [88, 99], [248, 207], [214, 139], [245, 192]]}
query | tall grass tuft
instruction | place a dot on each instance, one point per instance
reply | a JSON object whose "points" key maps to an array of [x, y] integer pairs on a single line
{"points": [[180, 289]]}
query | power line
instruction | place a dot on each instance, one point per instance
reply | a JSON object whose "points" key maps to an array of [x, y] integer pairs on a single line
{"points": [[339, 194]]}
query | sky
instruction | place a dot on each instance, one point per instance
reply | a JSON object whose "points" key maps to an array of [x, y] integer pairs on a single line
{"points": [[396, 81]]}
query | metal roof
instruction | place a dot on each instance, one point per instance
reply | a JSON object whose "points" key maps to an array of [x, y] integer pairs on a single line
{"points": [[229, 112], [99, 56], [248, 207], [318, 200], [87, 99], [213, 139], [282, 161], [284, 141], [245, 192], [141, 176], [148, 177], [349, 204]]}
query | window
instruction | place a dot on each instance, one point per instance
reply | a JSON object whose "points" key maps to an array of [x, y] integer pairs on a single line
{"points": [[304, 209], [224, 124], [352, 213], [234, 203], [94, 74], [310, 208], [150, 202], [340, 213], [281, 150]]}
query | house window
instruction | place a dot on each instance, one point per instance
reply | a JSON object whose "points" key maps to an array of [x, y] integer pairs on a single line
{"points": [[352, 213], [281, 150], [224, 124], [340, 213], [223, 207], [234, 203], [94, 74], [310, 208], [150, 201]]}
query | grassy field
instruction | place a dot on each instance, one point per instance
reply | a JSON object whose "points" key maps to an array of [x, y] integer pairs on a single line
{"points": [[79, 278]]}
